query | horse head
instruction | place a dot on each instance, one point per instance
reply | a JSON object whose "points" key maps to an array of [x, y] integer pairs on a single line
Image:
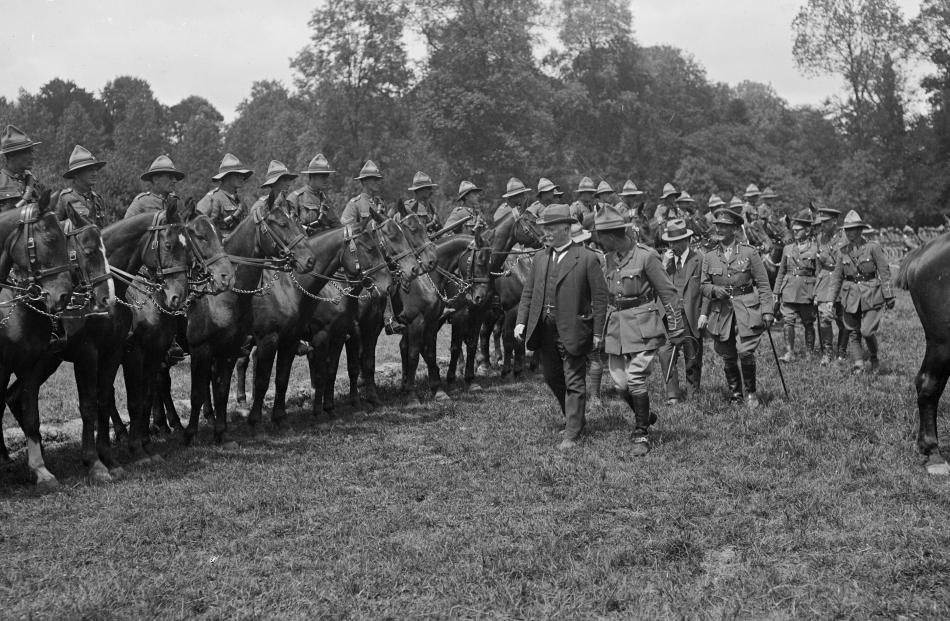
{"points": [[476, 268], [166, 257], [280, 236], [209, 259], [363, 260], [87, 254], [418, 237]]}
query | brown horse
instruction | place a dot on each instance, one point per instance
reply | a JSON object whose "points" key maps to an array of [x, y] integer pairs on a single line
{"points": [[925, 272], [217, 325], [97, 338], [282, 317], [508, 286], [34, 251]]}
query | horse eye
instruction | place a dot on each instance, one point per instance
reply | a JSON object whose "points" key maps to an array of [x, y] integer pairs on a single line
{"points": [[168, 245], [88, 251]]}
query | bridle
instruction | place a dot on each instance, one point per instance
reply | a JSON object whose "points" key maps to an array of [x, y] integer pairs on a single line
{"points": [[393, 258], [284, 249], [417, 251], [83, 289], [159, 271], [35, 275], [364, 280], [201, 264]]}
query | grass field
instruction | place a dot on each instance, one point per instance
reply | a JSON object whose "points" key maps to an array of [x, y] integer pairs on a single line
{"points": [[816, 507]]}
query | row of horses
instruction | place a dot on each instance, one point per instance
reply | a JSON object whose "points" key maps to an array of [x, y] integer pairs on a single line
{"points": [[119, 297]]}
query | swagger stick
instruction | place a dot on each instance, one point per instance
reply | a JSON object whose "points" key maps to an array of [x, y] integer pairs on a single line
{"points": [[778, 365]]}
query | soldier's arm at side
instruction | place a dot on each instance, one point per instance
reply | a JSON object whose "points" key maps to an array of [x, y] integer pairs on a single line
{"points": [[837, 277], [782, 271], [761, 278], [56, 199], [705, 282], [883, 270], [662, 284], [598, 292]]}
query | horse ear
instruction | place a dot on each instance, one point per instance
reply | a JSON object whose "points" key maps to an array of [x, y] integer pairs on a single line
{"points": [[6, 263], [375, 215], [43, 203], [189, 211], [171, 212]]}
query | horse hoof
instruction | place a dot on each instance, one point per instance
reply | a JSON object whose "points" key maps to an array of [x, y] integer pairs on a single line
{"points": [[938, 468], [473, 387], [441, 396], [117, 473], [230, 445], [45, 481], [414, 403], [99, 474]]}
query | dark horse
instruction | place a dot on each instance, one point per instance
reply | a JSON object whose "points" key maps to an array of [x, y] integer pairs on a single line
{"points": [[217, 325], [34, 252], [925, 272], [151, 244], [282, 317]]}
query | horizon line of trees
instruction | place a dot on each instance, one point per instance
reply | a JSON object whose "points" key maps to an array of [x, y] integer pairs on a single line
{"points": [[483, 107]]}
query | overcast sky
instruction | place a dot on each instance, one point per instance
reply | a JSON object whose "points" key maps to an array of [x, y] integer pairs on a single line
{"points": [[218, 48]]}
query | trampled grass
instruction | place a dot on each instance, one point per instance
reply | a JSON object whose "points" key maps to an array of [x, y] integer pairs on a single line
{"points": [[815, 507]]}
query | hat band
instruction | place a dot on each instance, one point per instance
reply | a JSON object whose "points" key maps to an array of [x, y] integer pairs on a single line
{"points": [[678, 232]]}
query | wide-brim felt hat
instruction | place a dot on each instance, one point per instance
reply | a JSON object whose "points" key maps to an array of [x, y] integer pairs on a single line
{"points": [[515, 187], [804, 217], [162, 165], [13, 139], [669, 190], [728, 217], [466, 188], [676, 229], [769, 193], [586, 184], [578, 233], [275, 171], [369, 171], [609, 218], [715, 201], [318, 166], [556, 213], [752, 190], [421, 181], [684, 197], [81, 159], [630, 189], [231, 164], [853, 221], [546, 185], [603, 188]]}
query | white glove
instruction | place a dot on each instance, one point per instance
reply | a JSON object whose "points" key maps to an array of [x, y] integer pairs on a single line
{"points": [[703, 320], [519, 331]]}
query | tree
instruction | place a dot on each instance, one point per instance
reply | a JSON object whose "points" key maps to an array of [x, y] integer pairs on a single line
{"points": [[593, 24], [189, 109]]}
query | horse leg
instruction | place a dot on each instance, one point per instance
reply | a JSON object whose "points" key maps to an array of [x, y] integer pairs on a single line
{"points": [[430, 333], [930, 382], [471, 333], [498, 336], [201, 368], [368, 338], [286, 352], [157, 402], [221, 386], [514, 356], [263, 365], [353, 346], [132, 370], [409, 349], [241, 370], [455, 347], [164, 390], [30, 424], [88, 386]]}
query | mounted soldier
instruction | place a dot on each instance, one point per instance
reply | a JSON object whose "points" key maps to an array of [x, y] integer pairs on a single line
{"points": [[739, 303], [83, 174], [862, 276], [796, 282], [162, 177], [17, 183], [421, 202], [544, 197], [468, 209], [749, 211], [516, 197], [583, 205], [309, 205], [367, 201], [632, 204], [223, 205]]}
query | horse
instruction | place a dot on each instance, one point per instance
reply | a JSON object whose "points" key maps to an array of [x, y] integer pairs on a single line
{"points": [[35, 251], [925, 272], [509, 286], [96, 342], [217, 325], [474, 268], [282, 317]]}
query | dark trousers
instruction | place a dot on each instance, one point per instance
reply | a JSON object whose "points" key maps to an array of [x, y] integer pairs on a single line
{"points": [[692, 350], [565, 375]]}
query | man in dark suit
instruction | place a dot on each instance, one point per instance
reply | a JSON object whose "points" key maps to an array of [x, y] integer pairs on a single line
{"points": [[562, 312], [684, 265]]}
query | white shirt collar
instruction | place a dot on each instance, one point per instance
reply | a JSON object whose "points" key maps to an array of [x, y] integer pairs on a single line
{"points": [[564, 247]]}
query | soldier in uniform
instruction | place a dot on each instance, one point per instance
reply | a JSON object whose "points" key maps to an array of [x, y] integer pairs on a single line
{"points": [[309, 204], [737, 206], [749, 211], [545, 197], [421, 203], [83, 173], [468, 209], [829, 241], [863, 279], [683, 264], [162, 176], [17, 182], [583, 204], [796, 282], [715, 202], [604, 196], [562, 314], [630, 196], [764, 209], [634, 328], [360, 206], [516, 196], [667, 209], [223, 205], [736, 288], [277, 181]]}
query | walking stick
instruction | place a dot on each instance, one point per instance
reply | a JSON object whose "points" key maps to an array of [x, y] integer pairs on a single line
{"points": [[669, 369], [778, 365]]}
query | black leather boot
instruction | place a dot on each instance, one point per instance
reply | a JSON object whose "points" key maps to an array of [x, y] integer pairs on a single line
{"points": [[748, 378], [809, 339], [872, 353], [733, 378], [826, 338], [642, 419]]}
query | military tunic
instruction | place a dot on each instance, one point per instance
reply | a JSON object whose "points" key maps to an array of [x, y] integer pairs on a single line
{"points": [[91, 206], [312, 209], [579, 210], [425, 212], [460, 212], [360, 207], [797, 273], [225, 210], [13, 186], [862, 277], [146, 202], [634, 328], [738, 294]]}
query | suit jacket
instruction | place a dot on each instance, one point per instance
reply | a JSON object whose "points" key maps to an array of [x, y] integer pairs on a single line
{"points": [[686, 281], [581, 299]]}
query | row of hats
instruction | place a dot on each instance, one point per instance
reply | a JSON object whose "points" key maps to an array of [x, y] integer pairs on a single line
{"points": [[606, 218]]}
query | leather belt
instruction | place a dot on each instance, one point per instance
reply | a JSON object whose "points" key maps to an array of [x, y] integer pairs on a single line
{"points": [[734, 290], [623, 302], [860, 278], [803, 272]]}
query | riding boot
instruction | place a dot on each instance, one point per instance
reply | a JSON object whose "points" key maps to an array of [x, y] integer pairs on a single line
{"points": [[809, 339], [642, 419], [789, 355], [748, 378], [843, 339], [872, 353], [826, 337], [733, 378], [857, 353]]}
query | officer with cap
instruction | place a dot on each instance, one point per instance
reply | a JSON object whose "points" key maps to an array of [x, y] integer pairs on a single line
{"points": [[17, 183], [83, 174], [795, 284], [162, 176], [862, 276], [736, 287], [310, 204], [223, 205], [421, 202], [634, 328]]}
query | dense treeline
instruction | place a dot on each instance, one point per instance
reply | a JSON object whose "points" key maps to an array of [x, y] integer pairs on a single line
{"points": [[484, 105]]}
